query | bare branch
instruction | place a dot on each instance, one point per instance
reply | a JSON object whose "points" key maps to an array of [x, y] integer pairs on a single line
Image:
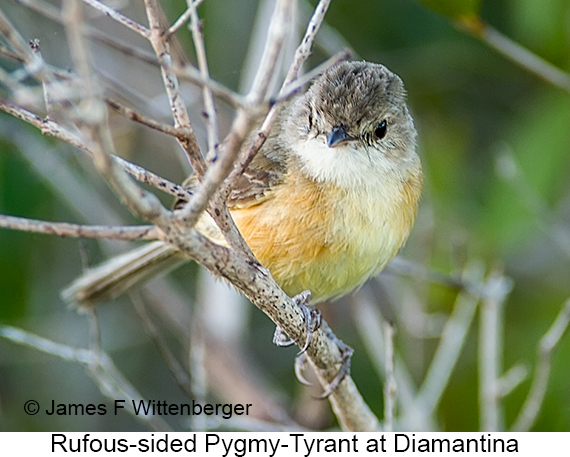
{"points": [[184, 17], [302, 53], [490, 345], [209, 107], [177, 106], [100, 368], [369, 323], [305, 48], [515, 52], [450, 345], [53, 14], [390, 383], [191, 74], [49, 127], [114, 14], [13, 37], [129, 233], [511, 379], [136, 116], [179, 373], [277, 32], [92, 115], [529, 412]]}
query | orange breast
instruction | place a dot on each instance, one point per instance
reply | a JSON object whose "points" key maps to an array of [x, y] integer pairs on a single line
{"points": [[317, 237]]}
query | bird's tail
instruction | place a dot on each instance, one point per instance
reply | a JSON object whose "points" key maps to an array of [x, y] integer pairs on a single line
{"points": [[115, 276]]}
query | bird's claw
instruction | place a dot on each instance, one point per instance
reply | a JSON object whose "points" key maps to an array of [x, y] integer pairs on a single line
{"points": [[346, 353], [300, 365], [312, 318]]}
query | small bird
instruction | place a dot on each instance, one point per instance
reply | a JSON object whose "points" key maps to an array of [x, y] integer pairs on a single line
{"points": [[328, 201]]}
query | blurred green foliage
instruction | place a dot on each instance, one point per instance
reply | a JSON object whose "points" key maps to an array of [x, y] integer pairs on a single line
{"points": [[454, 8], [471, 107]]}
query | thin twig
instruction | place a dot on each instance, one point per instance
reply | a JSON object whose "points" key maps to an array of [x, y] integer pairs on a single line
{"points": [[511, 379], [450, 345], [529, 412], [390, 383], [301, 54], [100, 368], [137, 116], [242, 125], [209, 106], [184, 17], [51, 128], [179, 373], [515, 52], [35, 46], [12, 36], [92, 115], [508, 169], [369, 325], [128, 233], [122, 19], [52, 13], [305, 48], [278, 27], [191, 74], [490, 346], [172, 86]]}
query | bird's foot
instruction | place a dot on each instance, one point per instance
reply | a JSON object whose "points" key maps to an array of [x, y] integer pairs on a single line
{"points": [[312, 318], [346, 354]]}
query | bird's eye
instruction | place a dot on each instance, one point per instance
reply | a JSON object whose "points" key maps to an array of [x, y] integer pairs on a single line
{"points": [[380, 130], [310, 120]]}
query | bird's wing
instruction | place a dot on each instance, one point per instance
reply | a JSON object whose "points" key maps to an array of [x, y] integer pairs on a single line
{"points": [[264, 173]]}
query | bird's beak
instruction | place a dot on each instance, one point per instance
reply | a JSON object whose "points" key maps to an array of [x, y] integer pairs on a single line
{"points": [[337, 136]]}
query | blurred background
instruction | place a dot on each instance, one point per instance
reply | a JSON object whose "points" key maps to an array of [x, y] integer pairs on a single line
{"points": [[494, 141]]}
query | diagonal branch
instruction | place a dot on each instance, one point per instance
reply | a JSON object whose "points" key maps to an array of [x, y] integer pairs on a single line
{"points": [[529, 412], [99, 366], [49, 127], [515, 52], [122, 19]]}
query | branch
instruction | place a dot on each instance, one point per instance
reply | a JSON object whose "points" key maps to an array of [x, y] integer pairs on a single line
{"points": [[184, 17], [529, 412], [175, 228], [390, 385], [301, 55], [54, 14], [91, 113], [241, 128], [371, 328], [490, 345], [177, 106], [128, 233], [99, 366], [209, 107], [450, 345], [515, 52], [114, 14], [51, 128], [136, 116]]}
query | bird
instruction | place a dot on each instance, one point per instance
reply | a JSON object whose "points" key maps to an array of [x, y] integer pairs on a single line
{"points": [[330, 198]]}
